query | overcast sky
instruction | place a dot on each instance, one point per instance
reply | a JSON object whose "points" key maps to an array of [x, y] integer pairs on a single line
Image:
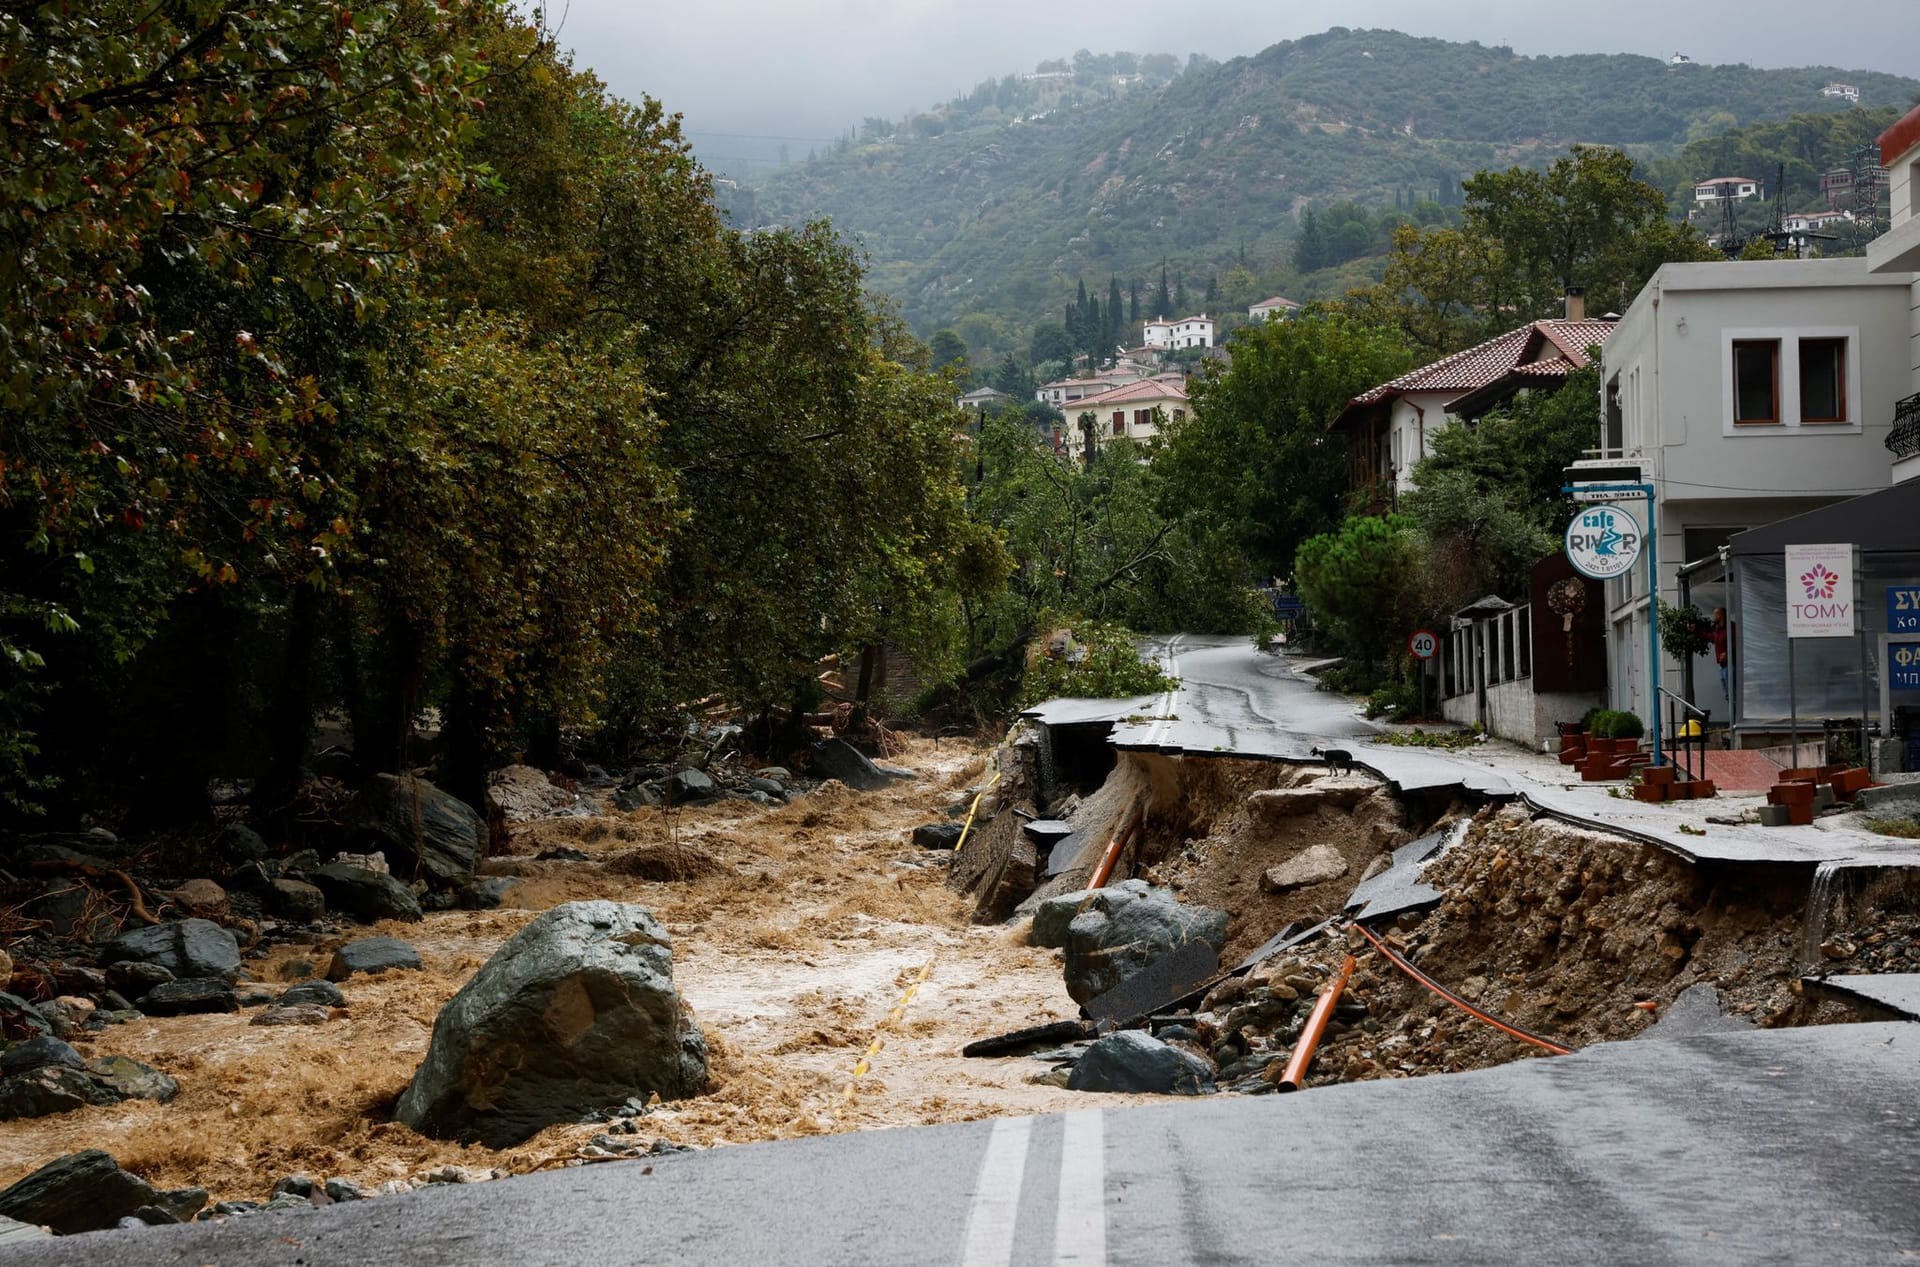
{"points": [[811, 68]]}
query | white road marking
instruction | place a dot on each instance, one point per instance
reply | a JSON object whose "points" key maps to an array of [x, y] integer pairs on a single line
{"points": [[996, 1195], [1157, 734], [1080, 1235]]}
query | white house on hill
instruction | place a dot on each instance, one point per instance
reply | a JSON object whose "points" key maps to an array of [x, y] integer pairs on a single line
{"points": [[1187, 332], [1275, 309]]}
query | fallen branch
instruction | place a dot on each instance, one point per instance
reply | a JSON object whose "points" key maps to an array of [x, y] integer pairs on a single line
{"points": [[136, 900]]}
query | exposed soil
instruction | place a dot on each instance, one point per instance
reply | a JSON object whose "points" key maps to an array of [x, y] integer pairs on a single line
{"points": [[795, 932]]}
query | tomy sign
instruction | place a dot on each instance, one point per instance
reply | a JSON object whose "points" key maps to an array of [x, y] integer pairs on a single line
{"points": [[1603, 541], [1820, 601]]}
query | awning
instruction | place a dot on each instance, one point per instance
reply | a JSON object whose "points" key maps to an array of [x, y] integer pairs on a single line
{"points": [[1886, 520]]}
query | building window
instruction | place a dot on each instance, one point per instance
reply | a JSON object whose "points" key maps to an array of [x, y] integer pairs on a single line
{"points": [[1756, 381], [1613, 442], [1823, 380], [1179, 415], [1143, 417]]}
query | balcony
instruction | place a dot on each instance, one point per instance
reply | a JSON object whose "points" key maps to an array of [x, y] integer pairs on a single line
{"points": [[1904, 439]]}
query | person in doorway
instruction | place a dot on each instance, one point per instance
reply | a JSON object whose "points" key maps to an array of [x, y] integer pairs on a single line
{"points": [[1717, 635]]}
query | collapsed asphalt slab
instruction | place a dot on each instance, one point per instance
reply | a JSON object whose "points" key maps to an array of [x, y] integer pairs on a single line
{"points": [[1232, 700]]}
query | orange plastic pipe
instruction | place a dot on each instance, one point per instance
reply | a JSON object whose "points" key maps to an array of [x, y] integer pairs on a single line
{"points": [[1316, 1025], [1104, 872]]}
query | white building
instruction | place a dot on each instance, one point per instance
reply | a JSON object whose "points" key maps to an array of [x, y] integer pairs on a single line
{"points": [[1735, 187], [1275, 309], [1816, 221], [1845, 92], [1681, 59], [983, 398], [1134, 412], [1895, 252], [1746, 392], [1187, 332]]}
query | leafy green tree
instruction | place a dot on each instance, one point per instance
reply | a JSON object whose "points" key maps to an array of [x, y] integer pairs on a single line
{"points": [[1525, 237], [1359, 582], [1050, 342], [1254, 468], [1487, 497], [948, 351], [1012, 377]]}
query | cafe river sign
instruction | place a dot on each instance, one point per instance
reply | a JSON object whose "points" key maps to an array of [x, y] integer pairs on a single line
{"points": [[1603, 541]]}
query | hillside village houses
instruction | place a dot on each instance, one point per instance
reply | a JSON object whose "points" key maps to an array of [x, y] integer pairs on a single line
{"points": [[1134, 412], [1736, 188], [1277, 308], [1770, 403], [1388, 428], [983, 398], [1187, 332]]}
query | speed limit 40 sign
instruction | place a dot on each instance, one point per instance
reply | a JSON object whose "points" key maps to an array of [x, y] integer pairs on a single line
{"points": [[1423, 644]]}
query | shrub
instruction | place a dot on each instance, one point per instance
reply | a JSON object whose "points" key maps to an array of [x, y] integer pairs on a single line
{"points": [[1609, 723], [1103, 663]]}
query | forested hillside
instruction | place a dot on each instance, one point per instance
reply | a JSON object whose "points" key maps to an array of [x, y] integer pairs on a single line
{"points": [[995, 213]]}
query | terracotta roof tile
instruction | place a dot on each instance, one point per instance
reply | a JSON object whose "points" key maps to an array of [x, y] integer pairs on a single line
{"points": [[1145, 389], [1488, 362]]}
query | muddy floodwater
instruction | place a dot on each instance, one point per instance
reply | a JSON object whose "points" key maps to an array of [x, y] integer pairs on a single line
{"points": [[796, 931]]}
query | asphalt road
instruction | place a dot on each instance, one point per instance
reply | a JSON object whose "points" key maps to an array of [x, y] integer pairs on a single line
{"points": [[1790, 1146], [1233, 700]]}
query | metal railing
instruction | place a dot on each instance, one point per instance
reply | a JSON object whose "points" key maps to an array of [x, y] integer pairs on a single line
{"points": [[1904, 440], [1686, 745]]}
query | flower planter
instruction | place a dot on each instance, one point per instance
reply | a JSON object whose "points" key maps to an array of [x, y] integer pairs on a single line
{"points": [[1598, 747]]}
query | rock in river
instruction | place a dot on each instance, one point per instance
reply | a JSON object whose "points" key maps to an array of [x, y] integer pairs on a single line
{"points": [[575, 1012]]}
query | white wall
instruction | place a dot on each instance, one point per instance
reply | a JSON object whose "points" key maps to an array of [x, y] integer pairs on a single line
{"points": [[1411, 424], [1671, 354]]}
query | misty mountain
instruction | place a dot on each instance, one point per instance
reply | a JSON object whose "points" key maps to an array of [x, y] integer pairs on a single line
{"points": [[979, 207]]}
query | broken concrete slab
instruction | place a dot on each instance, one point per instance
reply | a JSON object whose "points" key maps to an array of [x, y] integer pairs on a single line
{"points": [[1700, 1009], [1026, 1041], [1897, 992], [1285, 939], [1316, 865], [1398, 888], [1290, 802], [1895, 800]]}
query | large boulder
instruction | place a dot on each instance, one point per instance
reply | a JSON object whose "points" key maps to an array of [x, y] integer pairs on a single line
{"points": [[577, 1011], [364, 894], [1135, 1061], [186, 948], [522, 794], [81, 1192], [838, 759], [412, 820], [189, 996], [1110, 934], [371, 955]]}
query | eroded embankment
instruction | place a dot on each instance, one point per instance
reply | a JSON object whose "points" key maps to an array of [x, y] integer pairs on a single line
{"points": [[1570, 933]]}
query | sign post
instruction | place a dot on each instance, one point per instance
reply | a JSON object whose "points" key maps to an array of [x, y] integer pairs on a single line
{"points": [[1423, 645], [1603, 543], [1820, 604]]}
